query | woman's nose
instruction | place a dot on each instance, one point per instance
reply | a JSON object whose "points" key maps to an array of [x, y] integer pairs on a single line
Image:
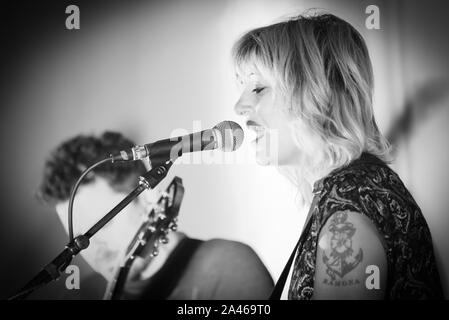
{"points": [[243, 107]]}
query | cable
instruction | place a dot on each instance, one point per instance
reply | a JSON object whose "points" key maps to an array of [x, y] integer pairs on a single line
{"points": [[73, 192]]}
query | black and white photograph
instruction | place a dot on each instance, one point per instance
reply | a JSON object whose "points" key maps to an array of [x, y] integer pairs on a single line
{"points": [[226, 150]]}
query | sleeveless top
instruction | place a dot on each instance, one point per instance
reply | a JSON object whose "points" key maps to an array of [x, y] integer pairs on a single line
{"points": [[369, 187]]}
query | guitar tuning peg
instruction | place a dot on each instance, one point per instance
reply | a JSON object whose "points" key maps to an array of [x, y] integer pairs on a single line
{"points": [[163, 240], [154, 253], [165, 194], [174, 227]]}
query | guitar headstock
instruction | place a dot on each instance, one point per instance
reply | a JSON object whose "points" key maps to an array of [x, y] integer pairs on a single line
{"points": [[160, 221]]}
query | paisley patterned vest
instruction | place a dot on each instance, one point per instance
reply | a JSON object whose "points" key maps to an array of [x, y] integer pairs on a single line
{"points": [[368, 186]]}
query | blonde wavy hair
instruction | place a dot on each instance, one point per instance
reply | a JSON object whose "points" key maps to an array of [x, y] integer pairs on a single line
{"points": [[320, 64]]}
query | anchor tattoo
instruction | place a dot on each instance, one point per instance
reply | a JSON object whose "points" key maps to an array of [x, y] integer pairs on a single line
{"points": [[341, 259]]}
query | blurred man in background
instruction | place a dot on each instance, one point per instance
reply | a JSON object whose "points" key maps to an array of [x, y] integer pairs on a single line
{"points": [[185, 268]]}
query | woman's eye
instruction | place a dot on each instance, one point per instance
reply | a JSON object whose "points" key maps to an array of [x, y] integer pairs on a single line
{"points": [[258, 90]]}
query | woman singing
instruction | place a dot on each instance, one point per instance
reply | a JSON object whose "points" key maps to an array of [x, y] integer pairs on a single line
{"points": [[308, 85]]}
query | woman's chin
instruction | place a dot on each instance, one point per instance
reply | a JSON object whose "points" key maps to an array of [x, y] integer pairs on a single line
{"points": [[263, 161], [263, 158]]}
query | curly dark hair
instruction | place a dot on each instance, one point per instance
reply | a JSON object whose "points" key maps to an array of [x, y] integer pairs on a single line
{"points": [[72, 157]]}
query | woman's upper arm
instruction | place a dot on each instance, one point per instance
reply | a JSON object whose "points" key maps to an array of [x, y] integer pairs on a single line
{"points": [[351, 260]]}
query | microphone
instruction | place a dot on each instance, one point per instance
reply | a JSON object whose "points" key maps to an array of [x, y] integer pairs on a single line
{"points": [[227, 136]]}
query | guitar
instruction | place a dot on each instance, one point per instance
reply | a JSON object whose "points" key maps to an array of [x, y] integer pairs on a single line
{"points": [[154, 230]]}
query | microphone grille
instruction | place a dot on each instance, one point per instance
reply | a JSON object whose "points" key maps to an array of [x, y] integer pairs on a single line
{"points": [[230, 135]]}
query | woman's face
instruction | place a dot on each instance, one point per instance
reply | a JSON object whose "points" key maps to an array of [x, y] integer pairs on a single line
{"points": [[263, 109]]}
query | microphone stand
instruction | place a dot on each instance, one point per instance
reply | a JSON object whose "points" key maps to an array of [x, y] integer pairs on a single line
{"points": [[52, 271]]}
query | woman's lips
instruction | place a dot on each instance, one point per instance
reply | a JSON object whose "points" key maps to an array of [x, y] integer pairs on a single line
{"points": [[257, 128]]}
